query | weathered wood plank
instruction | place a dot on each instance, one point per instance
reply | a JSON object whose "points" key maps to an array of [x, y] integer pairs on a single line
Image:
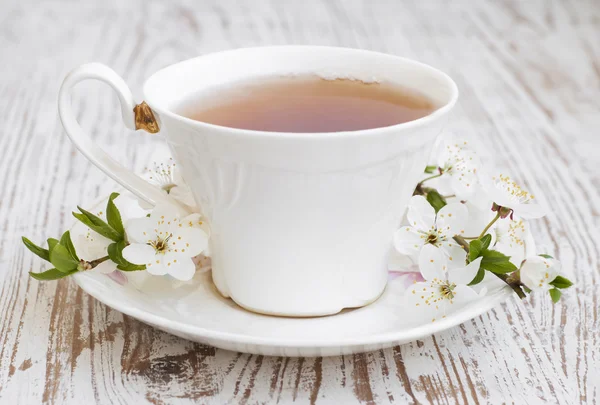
{"points": [[529, 75]]}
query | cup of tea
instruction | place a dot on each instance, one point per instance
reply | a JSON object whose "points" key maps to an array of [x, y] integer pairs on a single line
{"points": [[303, 159]]}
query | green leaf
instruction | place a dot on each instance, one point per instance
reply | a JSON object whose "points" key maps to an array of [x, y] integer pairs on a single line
{"points": [[51, 243], [475, 249], [545, 256], [436, 200], [485, 241], [98, 225], [430, 169], [561, 282], [478, 277], [114, 216], [62, 260], [131, 267], [496, 262], [65, 240], [555, 294], [52, 274], [115, 252], [35, 249], [112, 253]]}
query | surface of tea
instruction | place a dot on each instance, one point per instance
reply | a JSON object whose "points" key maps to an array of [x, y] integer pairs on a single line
{"points": [[306, 104]]}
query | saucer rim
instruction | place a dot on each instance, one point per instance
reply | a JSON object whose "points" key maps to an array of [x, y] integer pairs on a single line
{"points": [[413, 333]]}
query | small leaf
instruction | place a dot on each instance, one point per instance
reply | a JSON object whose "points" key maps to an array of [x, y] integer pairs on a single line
{"points": [[114, 216], [112, 253], [485, 241], [131, 267], [555, 294], [62, 260], [497, 262], [430, 169], [436, 200], [115, 252], [65, 240], [478, 277], [98, 225], [561, 282], [545, 256], [52, 274], [35, 249], [51, 243], [475, 249]]}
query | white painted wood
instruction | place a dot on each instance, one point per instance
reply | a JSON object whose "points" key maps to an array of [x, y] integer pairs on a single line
{"points": [[529, 75]]}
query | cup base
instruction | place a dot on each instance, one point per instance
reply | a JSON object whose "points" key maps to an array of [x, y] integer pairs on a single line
{"points": [[302, 315]]}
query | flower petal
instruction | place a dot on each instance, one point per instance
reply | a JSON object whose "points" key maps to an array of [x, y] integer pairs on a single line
{"points": [[166, 212], [408, 241], [432, 263], [424, 297], [184, 195], [183, 270], [448, 247], [511, 238], [139, 230], [493, 193], [479, 217], [529, 211], [537, 272], [106, 267], [452, 219], [420, 214], [426, 302], [464, 185], [463, 295], [464, 275], [139, 253], [129, 207], [156, 269], [191, 241], [457, 257], [91, 246]]}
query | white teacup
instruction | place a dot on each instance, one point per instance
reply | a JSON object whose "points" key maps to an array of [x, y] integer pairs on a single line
{"points": [[301, 224]]}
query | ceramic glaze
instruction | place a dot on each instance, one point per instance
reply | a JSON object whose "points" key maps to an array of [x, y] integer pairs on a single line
{"points": [[301, 223]]}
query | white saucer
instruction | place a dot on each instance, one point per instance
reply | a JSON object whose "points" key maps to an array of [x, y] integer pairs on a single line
{"points": [[194, 310]]}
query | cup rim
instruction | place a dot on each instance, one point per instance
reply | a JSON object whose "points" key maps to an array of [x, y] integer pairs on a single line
{"points": [[419, 122]]}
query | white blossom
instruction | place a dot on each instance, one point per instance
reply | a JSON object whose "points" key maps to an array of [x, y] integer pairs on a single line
{"points": [[91, 245], [167, 176], [445, 287], [538, 272], [507, 194], [165, 242], [458, 165], [510, 238], [427, 228]]}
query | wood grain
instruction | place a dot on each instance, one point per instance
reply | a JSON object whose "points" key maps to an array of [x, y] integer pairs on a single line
{"points": [[529, 76]]}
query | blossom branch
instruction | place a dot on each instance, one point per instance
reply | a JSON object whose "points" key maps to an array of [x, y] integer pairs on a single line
{"points": [[462, 242], [95, 263], [515, 285], [492, 222]]}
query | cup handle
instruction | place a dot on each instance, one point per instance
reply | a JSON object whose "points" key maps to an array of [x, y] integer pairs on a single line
{"points": [[136, 117]]}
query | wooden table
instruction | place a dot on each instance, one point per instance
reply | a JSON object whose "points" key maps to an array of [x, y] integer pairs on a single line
{"points": [[529, 76]]}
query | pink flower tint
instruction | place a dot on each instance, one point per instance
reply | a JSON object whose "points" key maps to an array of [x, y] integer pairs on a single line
{"points": [[410, 277], [118, 277]]}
